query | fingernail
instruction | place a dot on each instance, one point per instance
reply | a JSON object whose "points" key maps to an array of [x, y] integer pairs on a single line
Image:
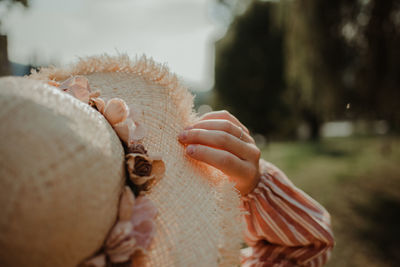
{"points": [[183, 135], [190, 149]]}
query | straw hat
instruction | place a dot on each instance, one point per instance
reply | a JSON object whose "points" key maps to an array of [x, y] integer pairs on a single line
{"points": [[62, 170]]}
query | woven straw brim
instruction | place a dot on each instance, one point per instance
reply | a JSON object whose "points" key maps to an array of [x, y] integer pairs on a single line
{"points": [[199, 219]]}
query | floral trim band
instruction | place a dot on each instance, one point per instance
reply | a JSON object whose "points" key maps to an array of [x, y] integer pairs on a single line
{"points": [[129, 239], [116, 111], [131, 236]]}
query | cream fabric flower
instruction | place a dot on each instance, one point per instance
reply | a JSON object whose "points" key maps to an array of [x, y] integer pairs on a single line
{"points": [[122, 118], [78, 86]]}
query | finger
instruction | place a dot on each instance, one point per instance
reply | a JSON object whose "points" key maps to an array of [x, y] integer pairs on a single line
{"points": [[222, 160], [220, 140], [223, 125], [223, 114]]}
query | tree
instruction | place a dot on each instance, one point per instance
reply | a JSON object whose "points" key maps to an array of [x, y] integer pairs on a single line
{"points": [[249, 65], [377, 65], [4, 64], [342, 52], [316, 57], [310, 60]]}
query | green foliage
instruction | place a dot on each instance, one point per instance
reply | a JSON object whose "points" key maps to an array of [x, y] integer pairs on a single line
{"points": [[342, 52], [23, 2], [249, 68], [4, 64], [315, 56], [376, 59], [286, 62]]}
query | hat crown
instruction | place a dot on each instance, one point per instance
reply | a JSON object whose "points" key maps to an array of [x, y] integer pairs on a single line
{"points": [[61, 176]]}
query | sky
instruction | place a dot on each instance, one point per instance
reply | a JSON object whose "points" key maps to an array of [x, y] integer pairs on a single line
{"points": [[180, 33]]}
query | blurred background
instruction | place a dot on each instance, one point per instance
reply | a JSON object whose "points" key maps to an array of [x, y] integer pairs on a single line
{"points": [[317, 83]]}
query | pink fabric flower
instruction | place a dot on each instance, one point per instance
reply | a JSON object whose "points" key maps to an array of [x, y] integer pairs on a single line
{"points": [[78, 86], [96, 261], [133, 232], [122, 118], [131, 236], [144, 213]]}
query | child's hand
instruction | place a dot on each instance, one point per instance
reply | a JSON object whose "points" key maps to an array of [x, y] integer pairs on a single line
{"points": [[220, 140]]}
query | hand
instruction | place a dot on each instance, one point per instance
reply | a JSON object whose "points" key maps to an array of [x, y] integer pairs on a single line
{"points": [[219, 139]]}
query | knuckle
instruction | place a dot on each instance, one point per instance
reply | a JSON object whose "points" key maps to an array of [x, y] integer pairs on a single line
{"points": [[223, 138], [225, 112], [226, 161], [228, 126], [255, 152], [252, 140]]}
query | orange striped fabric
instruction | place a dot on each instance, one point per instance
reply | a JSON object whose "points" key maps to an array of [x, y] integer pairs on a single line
{"points": [[285, 227]]}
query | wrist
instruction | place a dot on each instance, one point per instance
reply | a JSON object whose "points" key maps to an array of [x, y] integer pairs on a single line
{"points": [[251, 185]]}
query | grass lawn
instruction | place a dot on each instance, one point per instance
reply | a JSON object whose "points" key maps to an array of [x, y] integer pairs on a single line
{"points": [[358, 181]]}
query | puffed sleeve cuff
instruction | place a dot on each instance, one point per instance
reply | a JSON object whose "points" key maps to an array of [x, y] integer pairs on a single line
{"points": [[284, 226], [277, 212]]}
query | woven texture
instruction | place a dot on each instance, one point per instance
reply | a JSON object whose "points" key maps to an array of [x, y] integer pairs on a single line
{"points": [[199, 219], [61, 174]]}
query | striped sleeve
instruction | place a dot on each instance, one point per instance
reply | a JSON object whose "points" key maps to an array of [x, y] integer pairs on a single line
{"points": [[285, 227]]}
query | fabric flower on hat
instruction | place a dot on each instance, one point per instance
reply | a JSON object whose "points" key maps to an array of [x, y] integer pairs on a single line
{"points": [[77, 86], [131, 236], [122, 118], [97, 261], [143, 168]]}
